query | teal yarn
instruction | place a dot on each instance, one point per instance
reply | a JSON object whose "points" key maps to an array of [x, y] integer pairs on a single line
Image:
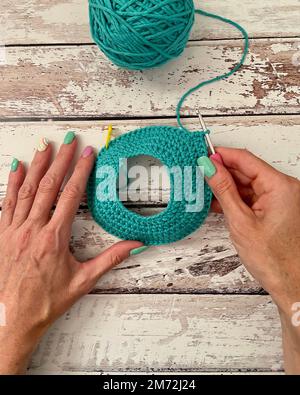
{"points": [[174, 148], [222, 76], [141, 34]]}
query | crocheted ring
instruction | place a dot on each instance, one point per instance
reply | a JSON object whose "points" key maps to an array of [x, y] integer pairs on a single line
{"points": [[174, 147]]}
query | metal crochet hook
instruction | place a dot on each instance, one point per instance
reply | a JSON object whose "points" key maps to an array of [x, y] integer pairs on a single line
{"points": [[211, 149]]}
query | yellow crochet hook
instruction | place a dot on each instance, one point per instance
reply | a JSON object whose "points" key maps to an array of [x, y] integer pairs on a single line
{"points": [[108, 138]]}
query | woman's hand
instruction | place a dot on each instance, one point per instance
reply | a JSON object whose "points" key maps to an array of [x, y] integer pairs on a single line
{"points": [[39, 278], [262, 208]]}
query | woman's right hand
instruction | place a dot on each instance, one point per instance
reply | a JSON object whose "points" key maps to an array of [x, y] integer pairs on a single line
{"points": [[262, 209]]}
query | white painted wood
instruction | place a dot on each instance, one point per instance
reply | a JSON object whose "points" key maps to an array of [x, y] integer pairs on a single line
{"points": [[205, 262], [79, 82], [168, 333], [36, 372], [274, 138], [66, 21], [163, 333]]}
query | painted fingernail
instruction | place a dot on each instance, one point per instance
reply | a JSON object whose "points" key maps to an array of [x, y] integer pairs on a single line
{"points": [[14, 165], [207, 165], [69, 138], [43, 145], [87, 152], [138, 250]]}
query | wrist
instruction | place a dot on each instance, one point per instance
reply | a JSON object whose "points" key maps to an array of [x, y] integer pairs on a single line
{"points": [[19, 336], [290, 323], [15, 351]]}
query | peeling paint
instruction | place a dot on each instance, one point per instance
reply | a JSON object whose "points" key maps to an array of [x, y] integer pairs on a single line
{"points": [[168, 333]]}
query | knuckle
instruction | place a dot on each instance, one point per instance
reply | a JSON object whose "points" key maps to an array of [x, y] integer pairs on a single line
{"points": [[115, 259], [25, 234], [222, 186], [80, 167], [71, 191], [49, 237], [8, 204], [27, 191], [24, 240], [48, 183]]}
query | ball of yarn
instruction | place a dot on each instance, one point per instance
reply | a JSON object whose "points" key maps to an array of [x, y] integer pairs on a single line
{"points": [[141, 34], [174, 147]]}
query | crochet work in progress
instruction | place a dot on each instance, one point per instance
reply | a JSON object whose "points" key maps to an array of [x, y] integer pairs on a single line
{"points": [[174, 148], [137, 35]]}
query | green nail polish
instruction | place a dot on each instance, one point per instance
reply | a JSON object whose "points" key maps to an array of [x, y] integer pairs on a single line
{"points": [[208, 166], [14, 165], [137, 251], [69, 138]]}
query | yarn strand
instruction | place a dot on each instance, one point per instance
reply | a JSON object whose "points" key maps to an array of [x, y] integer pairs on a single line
{"points": [[219, 77]]}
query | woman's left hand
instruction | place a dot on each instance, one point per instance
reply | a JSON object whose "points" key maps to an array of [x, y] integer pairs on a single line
{"points": [[39, 277]]}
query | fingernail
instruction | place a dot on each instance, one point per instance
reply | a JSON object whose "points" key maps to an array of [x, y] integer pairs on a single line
{"points": [[69, 138], [14, 165], [207, 165], [87, 152], [43, 145], [138, 250]]}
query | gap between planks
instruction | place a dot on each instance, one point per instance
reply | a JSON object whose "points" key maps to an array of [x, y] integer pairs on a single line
{"points": [[274, 139], [82, 81], [41, 21], [205, 262]]}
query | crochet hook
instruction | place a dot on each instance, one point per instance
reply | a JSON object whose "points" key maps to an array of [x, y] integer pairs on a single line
{"points": [[211, 149], [109, 133]]}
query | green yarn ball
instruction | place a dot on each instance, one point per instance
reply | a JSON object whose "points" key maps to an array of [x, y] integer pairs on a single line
{"points": [[141, 34], [174, 147]]}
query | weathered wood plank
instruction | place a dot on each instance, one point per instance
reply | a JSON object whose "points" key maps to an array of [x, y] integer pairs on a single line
{"points": [[44, 22], [275, 138], [163, 333], [35, 372], [205, 262], [79, 82]]}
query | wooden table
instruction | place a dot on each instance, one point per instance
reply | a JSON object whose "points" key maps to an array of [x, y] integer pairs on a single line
{"points": [[189, 306]]}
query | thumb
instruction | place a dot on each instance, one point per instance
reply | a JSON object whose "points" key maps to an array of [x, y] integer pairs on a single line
{"points": [[96, 267], [223, 187]]}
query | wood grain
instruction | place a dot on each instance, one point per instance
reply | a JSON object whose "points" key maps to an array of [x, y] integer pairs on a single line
{"points": [[163, 333], [205, 262], [276, 139], [77, 81], [42, 21], [36, 372], [171, 331]]}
